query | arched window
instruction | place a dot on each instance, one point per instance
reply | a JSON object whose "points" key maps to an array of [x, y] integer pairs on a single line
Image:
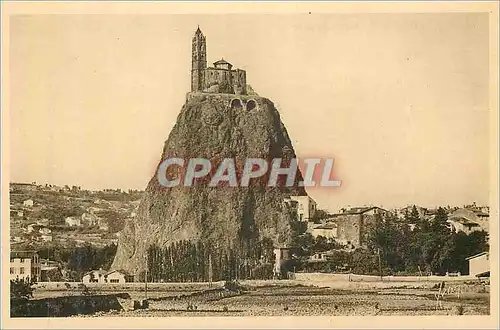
{"points": [[251, 104], [236, 104]]}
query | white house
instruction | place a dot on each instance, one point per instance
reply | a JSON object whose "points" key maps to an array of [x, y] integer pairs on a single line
{"points": [[28, 203], [47, 238], [103, 277], [17, 239], [43, 222], [118, 276], [24, 265], [320, 256], [30, 228], [73, 221], [479, 264], [305, 207], [89, 219], [462, 224], [94, 276], [103, 224], [45, 231]]}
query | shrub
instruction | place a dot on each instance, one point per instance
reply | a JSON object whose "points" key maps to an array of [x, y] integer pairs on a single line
{"points": [[21, 289]]}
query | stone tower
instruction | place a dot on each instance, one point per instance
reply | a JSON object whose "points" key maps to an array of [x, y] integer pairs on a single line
{"points": [[199, 61]]}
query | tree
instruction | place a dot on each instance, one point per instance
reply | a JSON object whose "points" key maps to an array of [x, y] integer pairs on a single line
{"points": [[21, 289], [439, 224], [320, 215], [267, 249], [430, 247], [414, 218], [322, 244], [303, 244]]}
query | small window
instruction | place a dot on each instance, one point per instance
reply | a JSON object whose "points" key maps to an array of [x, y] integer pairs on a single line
{"points": [[12, 270], [21, 270], [22, 260], [114, 280]]}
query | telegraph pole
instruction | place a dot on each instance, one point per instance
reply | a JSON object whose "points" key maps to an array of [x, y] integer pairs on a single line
{"points": [[146, 278], [210, 271], [379, 264]]}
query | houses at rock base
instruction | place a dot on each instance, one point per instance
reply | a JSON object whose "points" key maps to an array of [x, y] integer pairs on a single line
{"points": [[107, 277]]}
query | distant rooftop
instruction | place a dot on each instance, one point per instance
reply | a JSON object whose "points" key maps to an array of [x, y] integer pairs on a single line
{"points": [[22, 254], [327, 226], [360, 210]]}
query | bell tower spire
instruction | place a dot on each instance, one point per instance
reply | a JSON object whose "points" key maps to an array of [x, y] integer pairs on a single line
{"points": [[199, 61]]}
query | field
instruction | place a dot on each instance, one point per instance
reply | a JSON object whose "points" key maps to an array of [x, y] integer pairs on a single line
{"points": [[295, 298]]}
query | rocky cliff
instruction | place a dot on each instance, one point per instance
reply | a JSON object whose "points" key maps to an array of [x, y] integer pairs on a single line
{"points": [[215, 126]]}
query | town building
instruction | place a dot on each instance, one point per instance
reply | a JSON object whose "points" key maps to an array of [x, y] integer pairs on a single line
{"points": [[22, 187], [328, 230], [43, 222], [319, 257], [221, 78], [103, 225], [462, 224], [24, 265], [407, 210], [17, 239], [352, 224], [28, 203], [30, 228], [46, 238], [304, 207], [89, 219], [94, 276], [479, 264], [104, 277], [118, 276], [44, 231], [73, 221], [472, 214]]}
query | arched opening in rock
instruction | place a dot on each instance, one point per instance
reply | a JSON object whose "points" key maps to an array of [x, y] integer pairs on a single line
{"points": [[236, 104], [251, 104]]}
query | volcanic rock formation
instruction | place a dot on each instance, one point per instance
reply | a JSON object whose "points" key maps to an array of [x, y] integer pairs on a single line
{"points": [[215, 126]]}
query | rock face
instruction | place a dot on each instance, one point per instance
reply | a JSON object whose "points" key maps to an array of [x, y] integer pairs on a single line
{"points": [[215, 126]]}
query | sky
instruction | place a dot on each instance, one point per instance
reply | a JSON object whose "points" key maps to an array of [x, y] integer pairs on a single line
{"points": [[399, 100]]}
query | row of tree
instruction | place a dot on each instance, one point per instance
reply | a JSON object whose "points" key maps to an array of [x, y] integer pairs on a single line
{"points": [[411, 245], [428, 247], [186, 261]]}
